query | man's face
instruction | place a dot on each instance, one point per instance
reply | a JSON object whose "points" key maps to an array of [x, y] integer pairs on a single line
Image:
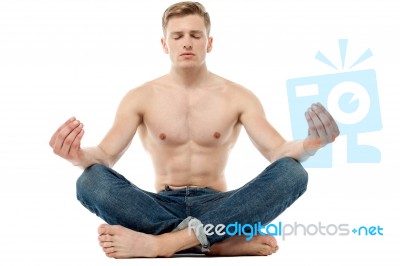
{"points": [[186, 41]]}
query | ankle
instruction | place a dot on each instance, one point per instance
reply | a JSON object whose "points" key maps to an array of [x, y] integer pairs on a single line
{"points": [[163, 247]]}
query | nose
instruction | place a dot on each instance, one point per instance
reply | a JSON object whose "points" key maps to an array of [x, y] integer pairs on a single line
{"points": [[187, 45]]}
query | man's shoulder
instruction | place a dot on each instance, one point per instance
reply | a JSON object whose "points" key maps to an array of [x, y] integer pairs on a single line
{"points": [[239, 95], [145, 88], [231, 85], [237, 90]]}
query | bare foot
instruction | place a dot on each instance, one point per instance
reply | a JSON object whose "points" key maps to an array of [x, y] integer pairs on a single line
{"points": [[120, 242], [239, 246]]}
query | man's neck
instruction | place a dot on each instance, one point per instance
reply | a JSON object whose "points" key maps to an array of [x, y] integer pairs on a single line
{"points": [[189, 78]]}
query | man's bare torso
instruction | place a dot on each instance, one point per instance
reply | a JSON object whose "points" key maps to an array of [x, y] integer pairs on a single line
{"points": [[190, 132]]}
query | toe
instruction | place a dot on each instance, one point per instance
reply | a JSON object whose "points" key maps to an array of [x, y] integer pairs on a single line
{"points": [[103, 229], [105, 238], [271, 241], [111, 255], [108, 250], [106, 244], [266, 251]]}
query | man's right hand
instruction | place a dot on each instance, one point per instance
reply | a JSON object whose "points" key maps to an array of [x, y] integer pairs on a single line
{"points": [[66, 141]]}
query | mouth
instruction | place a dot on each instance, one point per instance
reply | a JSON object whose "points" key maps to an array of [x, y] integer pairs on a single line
{"points": [[187, 54]]}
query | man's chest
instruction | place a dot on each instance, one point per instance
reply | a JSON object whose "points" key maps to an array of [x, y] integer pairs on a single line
{"points": [[205, 118]]}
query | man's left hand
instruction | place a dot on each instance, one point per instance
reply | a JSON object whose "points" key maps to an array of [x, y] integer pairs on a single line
{"points": [[322, 128]]}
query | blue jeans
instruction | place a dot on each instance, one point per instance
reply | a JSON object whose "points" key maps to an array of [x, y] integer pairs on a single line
{"points": [[119, 202]]}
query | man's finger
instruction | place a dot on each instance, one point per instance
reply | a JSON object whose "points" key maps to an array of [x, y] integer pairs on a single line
{"points": [[54, 137], [326, 121], [63, 134], [76, 144], [312, 131], [319, 125], [330, 124], [69, 140]]}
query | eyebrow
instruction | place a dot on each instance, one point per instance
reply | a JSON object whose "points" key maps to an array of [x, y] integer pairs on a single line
{"points": [[191, 32]]}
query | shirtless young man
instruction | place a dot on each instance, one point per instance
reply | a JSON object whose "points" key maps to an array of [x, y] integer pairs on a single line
{"points": [[188, 121]]}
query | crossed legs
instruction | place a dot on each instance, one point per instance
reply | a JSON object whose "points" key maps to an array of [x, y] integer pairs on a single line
{"points": [[143, 228]]}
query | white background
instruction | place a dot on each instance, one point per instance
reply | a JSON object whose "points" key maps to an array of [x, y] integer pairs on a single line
{"points": [[79, 57]]}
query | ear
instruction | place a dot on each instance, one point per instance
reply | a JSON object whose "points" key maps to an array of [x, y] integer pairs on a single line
{"points": [[209, 44], [164, 45]]}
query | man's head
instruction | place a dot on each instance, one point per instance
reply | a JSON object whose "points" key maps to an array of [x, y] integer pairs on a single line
{"points": [[186, 27], [182, 9]]}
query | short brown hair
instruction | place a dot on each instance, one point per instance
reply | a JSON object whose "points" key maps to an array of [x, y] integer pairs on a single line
{"points": [[183, 9]]}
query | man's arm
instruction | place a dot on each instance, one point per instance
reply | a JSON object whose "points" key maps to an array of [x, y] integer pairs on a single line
{"points": [[322, 130], [66, 141]]}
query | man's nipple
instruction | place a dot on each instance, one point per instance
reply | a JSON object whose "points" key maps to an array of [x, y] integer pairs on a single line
{"points": [[217, 135], [163, 136]]}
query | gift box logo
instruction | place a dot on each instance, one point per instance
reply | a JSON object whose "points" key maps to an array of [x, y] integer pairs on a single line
{"points": [[352, 99]]}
